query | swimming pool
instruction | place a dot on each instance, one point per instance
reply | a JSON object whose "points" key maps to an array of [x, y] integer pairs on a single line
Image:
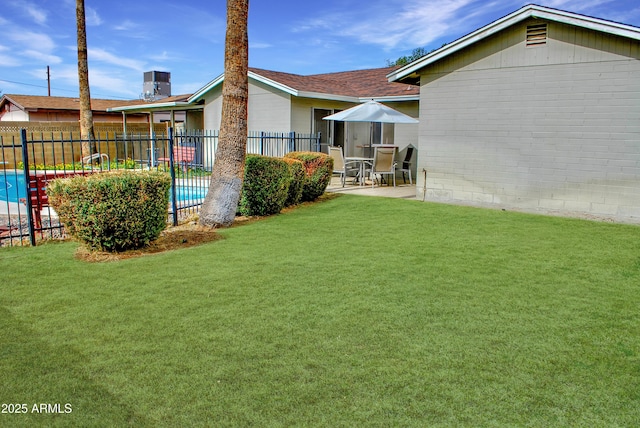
{"points": [[12, 186], [12, 189], [189, 194]]}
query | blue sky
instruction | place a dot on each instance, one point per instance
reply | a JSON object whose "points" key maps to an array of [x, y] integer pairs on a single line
{"points": [[186, 37]]}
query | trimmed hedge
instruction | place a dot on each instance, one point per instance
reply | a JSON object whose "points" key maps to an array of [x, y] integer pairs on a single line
{"points": [[266, 185], [113, 211], [296, 168], [318, 170]]}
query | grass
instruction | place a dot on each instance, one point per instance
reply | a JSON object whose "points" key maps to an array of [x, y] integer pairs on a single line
{"points": [[357, 311]]}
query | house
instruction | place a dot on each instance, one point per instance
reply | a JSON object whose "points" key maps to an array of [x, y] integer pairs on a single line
{"points": [[284, 102], [34, 108], [539, 111]]}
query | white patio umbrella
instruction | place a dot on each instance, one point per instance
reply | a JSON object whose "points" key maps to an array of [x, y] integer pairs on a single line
{"points": [[371, 111]]}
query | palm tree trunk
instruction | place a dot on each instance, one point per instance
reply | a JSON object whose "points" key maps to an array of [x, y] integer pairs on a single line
{"points": [[86, 117], [225, 188]]}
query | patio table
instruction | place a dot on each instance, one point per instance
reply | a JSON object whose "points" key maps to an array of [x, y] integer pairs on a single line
{"points": [[362, 162]]}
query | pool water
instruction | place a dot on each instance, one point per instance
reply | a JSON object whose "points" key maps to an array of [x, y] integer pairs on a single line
{"points": [[12, 189], [185, 194], [12, 186]]}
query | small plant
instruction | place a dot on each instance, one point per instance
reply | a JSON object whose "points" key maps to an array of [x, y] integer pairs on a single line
{"points": [[266, 185], [113, 211], [318, 169]]}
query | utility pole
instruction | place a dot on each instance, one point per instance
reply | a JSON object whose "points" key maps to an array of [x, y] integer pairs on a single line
{"points": [[48, 82]]}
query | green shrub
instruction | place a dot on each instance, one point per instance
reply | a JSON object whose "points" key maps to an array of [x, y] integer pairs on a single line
{"points": [[318, 169], [296, 168], [113, 211], [266, 185]]}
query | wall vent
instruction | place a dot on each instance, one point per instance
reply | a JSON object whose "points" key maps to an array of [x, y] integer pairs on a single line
{"points": [[536, 34]]}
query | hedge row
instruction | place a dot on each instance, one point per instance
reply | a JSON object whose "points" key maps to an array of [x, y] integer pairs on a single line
{"points": [[125, 210], [270, 184]]}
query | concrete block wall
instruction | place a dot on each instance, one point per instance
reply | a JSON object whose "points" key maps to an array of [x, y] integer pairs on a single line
{"points": [[547, 137]]}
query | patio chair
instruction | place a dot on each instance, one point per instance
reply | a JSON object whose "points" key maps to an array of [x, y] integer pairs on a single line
{"points": [[182, 155], [339, 165], [405, 166], [102, 158], [383, 164]]}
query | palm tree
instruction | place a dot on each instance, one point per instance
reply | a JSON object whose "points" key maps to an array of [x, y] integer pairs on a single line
{"points": [[86, 117], [220, 204]]}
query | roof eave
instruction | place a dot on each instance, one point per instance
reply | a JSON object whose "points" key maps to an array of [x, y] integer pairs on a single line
{"points": [[200, 93], [393, 98], [332, 97], [284, 88], [6, 98], [141, 108], [596, 24], [530, 11]]}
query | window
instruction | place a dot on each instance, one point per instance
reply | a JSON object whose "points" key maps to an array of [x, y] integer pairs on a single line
{"points": [[536, 35]]}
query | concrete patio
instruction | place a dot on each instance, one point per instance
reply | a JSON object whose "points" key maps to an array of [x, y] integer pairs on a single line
{"points": [[405, 191]]}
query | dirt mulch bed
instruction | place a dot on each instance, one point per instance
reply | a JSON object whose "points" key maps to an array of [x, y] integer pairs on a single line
{"points": [[187, 234], [182, 236]]}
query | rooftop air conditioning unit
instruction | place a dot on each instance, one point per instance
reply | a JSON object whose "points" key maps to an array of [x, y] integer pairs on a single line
{"points": [[157, 85]]}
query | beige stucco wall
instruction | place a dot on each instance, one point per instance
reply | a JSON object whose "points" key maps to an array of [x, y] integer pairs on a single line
{"points": [[269, 109], [213, 109], [550, 128]]}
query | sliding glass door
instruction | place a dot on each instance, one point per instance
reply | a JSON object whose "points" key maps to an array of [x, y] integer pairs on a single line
{"points": [[331, 131]]}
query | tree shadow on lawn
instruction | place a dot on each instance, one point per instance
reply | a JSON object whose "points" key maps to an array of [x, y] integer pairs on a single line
{"points": [[187, 234]]}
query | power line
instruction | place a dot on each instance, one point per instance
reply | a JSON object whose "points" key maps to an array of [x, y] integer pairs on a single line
{"points": [[59, 89]]}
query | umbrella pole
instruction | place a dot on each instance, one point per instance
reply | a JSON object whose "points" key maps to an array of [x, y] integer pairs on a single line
{"points": [[370, 137]]}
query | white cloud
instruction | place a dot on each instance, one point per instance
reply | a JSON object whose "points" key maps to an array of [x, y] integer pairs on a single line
{"points": [[104, 83], [9, 61], [33, 41], [109, 58], [37, 46], [390, 24], [43, 57], [38, 14], [92, 18], [133, 30], [575, 6], [402, 24], [126, 25], [259, 45]]}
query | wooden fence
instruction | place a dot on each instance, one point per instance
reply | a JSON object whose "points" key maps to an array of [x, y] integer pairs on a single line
{"points": [[48, 131]]}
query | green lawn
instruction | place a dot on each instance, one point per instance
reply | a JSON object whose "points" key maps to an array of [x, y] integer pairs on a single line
{"points": [[356, 311]]}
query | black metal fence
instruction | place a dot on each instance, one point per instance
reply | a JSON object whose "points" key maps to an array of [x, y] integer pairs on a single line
{"points": [[28, 164]]}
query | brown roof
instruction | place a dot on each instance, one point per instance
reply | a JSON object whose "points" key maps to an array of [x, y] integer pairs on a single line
{"points": [[171, 99], [35, 102], [357, 83]]}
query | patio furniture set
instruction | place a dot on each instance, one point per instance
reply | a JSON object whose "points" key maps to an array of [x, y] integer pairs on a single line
{"points": [[383, 163]]}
